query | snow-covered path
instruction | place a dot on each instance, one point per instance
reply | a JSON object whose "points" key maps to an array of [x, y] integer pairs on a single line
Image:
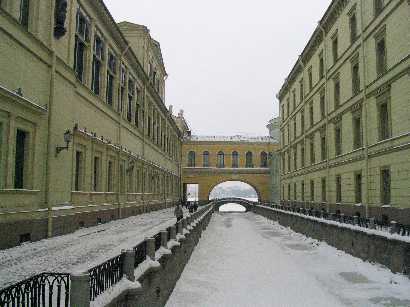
{"points": [[82, 249], [246, 260]]}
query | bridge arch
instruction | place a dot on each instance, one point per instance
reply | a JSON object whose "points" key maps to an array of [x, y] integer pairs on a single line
{"points": [[247, 204], [244, 181]]}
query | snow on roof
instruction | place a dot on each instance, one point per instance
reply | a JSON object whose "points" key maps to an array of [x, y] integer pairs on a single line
{"points": [[233, 138]]}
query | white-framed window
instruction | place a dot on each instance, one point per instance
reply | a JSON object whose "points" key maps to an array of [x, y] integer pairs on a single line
{"points": [[82, 37]]}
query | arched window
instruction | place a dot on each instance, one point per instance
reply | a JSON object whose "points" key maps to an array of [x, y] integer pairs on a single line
{"points": [[249, 162], [264, 159], [191, 159], [221, 160], [206, 159], [235, 160]]}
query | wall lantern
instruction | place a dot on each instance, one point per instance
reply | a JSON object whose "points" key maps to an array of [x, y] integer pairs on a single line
{"points": [[67, 139]]}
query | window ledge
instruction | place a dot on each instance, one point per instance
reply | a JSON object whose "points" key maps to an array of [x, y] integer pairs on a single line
{"points": [[18, 191]]}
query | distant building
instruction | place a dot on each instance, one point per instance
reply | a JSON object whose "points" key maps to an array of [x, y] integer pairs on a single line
{"points": [[345, 129], [85, 136]]}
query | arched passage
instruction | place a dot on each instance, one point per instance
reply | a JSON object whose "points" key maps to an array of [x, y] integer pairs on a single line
{"points": [[234, 189]]}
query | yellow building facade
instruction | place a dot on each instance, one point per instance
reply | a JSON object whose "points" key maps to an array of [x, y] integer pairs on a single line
{"points": [[85, 136], [209, 161], [345, 129]]}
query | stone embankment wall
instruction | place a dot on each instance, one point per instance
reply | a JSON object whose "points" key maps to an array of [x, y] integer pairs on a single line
{"points": [[390, 250], [153, 281]]}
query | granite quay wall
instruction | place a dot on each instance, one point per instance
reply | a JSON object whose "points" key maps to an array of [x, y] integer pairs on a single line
{"points": [[390, 250]]}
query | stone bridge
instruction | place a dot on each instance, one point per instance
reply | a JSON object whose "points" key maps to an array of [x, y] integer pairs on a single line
{"points": [[241, 201]]}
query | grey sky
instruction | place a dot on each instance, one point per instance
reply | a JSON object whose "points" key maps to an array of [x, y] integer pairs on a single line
{"points": [[226, 59]]}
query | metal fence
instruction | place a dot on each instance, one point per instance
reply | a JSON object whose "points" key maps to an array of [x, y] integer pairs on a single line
{"points": [[105, 275], [45, 289], [393, 227], [140, 253]]}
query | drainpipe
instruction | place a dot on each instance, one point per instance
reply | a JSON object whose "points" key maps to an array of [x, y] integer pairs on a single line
{"points": [[364, 128], [326, 114], [49, 149]]}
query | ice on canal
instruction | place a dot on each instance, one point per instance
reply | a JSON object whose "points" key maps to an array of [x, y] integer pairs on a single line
{"points": [[243, 259]]}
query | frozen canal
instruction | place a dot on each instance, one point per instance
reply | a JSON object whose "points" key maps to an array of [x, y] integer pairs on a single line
{"points": [[246, 260]]}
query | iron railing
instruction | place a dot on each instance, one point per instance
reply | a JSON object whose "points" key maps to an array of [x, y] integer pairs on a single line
{"points": [[401, 229], [140, 253], [105, 275], [45, 289]]}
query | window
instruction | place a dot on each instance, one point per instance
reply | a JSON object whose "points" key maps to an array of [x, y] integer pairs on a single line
{"points": [[294, 99], [123, 82], [96, 174], [378, 7], [295, 162], [288, 107], [381, 55], [323, 145], [288, 155], [283, 111], [302, 121], [385, 189], [138, 113], [358, 187], [248, 159], [338, 189], [311, 118], [310, 78], [79, 171], [110, 175], [205, 159], [338, 139], [312, 149], [98, 53], [25, 13], [355, 79], [191, 159], [81, 40], [357, 131], [335, 48], [122, 179], [353, 27], [111, 72], [301, 93], [295, 194], [264, 159], [131, 94], [1, 156], [20, 166], [221, 159], [312, 190], [384, 121], [294, 128], [322, 104], [321, 66], [302, 155], [336, 91], [323, 183], [289, 196], [302, 190]]}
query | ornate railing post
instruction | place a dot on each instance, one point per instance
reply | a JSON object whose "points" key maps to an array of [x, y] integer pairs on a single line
{"points": [[164, 239], [80, 290], [173, 232]]}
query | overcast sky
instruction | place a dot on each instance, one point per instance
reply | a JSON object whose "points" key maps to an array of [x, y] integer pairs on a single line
{"points": [[226, 59]]}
